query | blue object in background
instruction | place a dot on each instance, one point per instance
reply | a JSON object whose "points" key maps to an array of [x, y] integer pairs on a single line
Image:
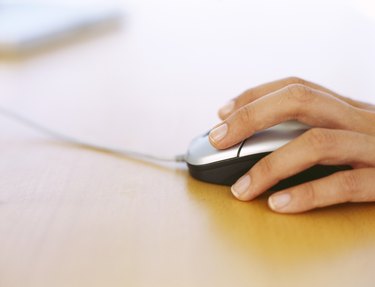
{"points": [[27, 26]]}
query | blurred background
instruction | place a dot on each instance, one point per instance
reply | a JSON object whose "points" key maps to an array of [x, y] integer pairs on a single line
{"points": [[150, 79], [166, 66]]}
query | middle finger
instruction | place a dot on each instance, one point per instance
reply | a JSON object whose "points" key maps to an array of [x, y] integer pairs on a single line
{"points": [[316, 146]]}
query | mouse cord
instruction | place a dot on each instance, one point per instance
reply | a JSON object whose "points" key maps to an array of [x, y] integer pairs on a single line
{"points": [[77, 142]]}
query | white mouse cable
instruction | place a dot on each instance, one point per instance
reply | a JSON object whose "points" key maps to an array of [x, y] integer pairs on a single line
{"points": [[77, 142]]}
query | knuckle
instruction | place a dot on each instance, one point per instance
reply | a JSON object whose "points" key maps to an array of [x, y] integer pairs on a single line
{"points": [[264, 167], [300, 93], [310, 194], [348, 182], [246, 115], [321, 139], [295, 80]]}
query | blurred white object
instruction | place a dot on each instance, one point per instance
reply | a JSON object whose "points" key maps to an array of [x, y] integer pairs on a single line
{"points": [[27, 26]]}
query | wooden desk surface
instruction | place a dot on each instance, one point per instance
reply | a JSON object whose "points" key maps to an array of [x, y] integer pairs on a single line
{"points": [[75, 217]]}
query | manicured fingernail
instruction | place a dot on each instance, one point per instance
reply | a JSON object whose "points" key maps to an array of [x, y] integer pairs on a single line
{"points": [[241, 186], [228, 108], [218, 133], [279, 201]]}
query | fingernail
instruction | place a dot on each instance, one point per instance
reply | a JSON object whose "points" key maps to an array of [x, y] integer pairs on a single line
{"points": [[218, 133], [241, 186], [227, 108], [279, 201]]}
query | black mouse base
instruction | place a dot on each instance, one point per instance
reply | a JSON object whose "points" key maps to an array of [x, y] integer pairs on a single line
{"points": [[227, 172]]}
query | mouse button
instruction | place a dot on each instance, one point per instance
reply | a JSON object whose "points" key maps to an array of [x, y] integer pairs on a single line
{"points": [[268, 141], [202, 152]]}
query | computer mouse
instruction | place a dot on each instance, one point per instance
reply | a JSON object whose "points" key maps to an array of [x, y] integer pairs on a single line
{"points": [[224, 167]]}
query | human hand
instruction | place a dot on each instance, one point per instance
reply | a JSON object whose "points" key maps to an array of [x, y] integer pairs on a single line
{"points": [[342, 133]]}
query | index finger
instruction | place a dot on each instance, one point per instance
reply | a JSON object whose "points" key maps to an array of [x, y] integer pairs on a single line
{"points": [[257, 92], [316, 146], [294, 102]]}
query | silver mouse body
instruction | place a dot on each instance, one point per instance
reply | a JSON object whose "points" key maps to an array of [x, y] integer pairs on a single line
{"points": [[208, 164]]}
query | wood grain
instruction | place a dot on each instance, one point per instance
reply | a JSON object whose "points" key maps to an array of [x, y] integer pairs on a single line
{"points": [[76, 217]]}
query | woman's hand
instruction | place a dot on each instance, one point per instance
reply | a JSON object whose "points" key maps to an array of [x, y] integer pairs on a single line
{"points": [[343, 133]]}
